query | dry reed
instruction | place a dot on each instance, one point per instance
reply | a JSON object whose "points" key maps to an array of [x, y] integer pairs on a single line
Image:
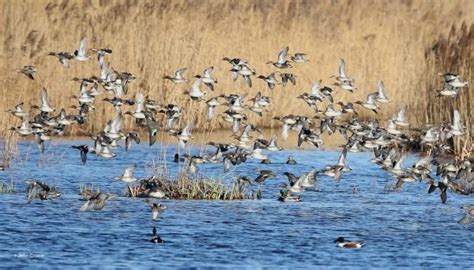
{"points": [[7, 187], [378, 39], [451, 53], [185, 187]]}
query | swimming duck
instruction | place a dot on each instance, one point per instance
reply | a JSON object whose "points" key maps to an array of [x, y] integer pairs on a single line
{"points": [[291, 161], [341, 242], [155, 237], [266, 161]]}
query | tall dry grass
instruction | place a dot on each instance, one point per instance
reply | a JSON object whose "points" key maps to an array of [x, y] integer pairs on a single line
{"points": [[378, 39], [453, 52]]}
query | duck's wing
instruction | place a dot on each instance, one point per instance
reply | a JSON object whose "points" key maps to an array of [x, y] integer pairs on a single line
{"points": [[179, 73], [342, 69], [82, 47], [227, 164], [44, 97], [85, 206], [100, 202], [208, 72], [315, 88], [342, 158], [83, 156], [140, 102], [282, 55], [33, 192], [401, 115], [196, 86], [117, 123], [187, 129], [129, 170], [381, 89], [456, 119]]}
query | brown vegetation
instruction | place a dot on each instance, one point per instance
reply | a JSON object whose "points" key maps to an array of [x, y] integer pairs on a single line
{"points": [[454, 53], [378, 39]]}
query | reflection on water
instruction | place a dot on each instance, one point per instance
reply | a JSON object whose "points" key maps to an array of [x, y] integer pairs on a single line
{"points": [[408, 228]]}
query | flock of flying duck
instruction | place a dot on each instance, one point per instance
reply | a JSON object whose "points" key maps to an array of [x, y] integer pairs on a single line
{"points": [[390, 143]]}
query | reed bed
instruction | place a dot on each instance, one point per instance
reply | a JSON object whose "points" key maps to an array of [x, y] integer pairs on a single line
{"points": [[87, 188], [7, 187], [378, 39], [9, 149], [453, 52], [185, 187]]}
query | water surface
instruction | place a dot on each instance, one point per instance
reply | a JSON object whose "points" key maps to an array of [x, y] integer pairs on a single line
{"points": [[401, 229]]}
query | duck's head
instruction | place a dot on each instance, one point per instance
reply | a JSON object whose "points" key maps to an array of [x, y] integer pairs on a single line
{"points": [[339, 240], [266, 161]]}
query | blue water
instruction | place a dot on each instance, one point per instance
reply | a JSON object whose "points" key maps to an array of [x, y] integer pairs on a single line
{"points": [[401, 229]]}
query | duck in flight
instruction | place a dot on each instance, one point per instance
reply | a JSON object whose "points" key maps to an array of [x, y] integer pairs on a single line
{"points": [[282, 62]]}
